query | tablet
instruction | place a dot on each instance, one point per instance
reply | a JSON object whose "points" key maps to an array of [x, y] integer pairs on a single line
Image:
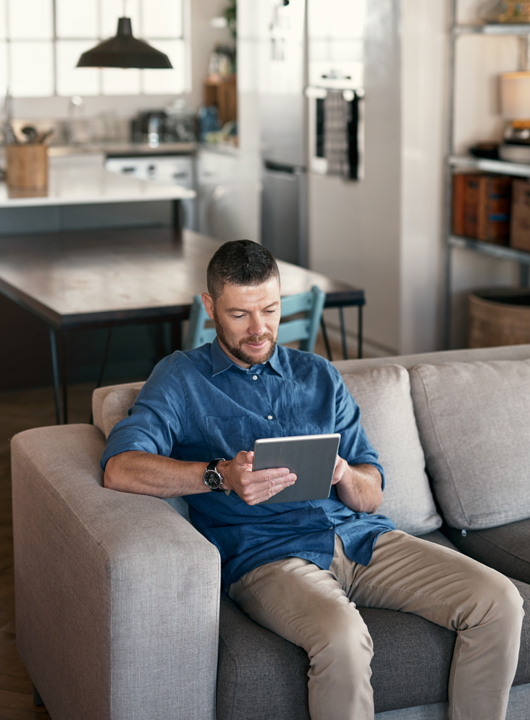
{"points": [[311, 457]]}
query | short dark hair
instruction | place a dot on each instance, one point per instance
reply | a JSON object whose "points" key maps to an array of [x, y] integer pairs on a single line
{"points": [[240, 262]]}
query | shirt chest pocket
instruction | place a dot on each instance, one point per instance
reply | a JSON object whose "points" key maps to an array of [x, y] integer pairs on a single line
{"points": [[228, 435]]}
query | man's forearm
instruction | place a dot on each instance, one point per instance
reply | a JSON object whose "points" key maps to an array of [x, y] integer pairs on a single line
{"points": [[360, 488], [147, 474]]}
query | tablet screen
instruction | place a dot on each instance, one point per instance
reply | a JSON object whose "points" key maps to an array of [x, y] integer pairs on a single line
{"points": [[311, 457]]}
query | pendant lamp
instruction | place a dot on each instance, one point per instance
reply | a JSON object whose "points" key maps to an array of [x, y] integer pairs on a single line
{"points": [[124, 51]]}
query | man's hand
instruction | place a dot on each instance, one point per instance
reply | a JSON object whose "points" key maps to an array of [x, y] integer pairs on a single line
{"points": [[253, 487], [358, 486]]}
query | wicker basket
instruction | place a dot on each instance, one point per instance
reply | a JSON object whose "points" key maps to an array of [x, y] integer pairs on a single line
{"points": [[499, 316]]}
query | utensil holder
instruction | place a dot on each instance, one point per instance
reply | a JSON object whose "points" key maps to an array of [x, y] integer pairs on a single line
{"points": [[27, 166]]}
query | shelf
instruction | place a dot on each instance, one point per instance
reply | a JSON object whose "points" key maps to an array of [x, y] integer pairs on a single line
{"points": [[485, 248], [495, 166], [500, 29]]}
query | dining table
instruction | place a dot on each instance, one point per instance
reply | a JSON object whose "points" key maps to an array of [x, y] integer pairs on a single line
{"points": [[80, 279]]}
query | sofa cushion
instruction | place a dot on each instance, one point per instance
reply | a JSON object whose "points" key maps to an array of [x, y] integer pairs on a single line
{"points": [[474, 423], [111, 404], [263, 676], [387, 415], [505, 548]]}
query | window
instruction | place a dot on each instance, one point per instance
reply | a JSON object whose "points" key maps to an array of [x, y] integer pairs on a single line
{"points": [[41, 41]]}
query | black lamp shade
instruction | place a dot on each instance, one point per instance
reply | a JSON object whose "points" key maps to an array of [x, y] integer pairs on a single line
{"points": [[124, 51]]}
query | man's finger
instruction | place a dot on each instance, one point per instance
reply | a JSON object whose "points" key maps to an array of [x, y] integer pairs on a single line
{"points": [[273, 487], [269, 474]]}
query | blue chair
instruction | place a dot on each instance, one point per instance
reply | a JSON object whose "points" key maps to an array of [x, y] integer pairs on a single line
{"points": [[304, 330]]}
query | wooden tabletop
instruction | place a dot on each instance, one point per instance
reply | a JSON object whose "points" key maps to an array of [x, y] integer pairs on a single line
{"points": [[119, 276]]}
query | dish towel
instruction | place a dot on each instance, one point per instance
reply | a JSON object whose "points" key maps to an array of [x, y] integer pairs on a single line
{"points": [[341, 135]]}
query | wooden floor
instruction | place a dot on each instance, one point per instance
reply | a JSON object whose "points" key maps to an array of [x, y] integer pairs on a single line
{"points": [[21, 410]]}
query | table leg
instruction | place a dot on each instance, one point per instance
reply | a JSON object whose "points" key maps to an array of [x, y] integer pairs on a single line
{"points": [[360, 333], [55, 368], [64, 378], [343, 334], [176, 221], [325, 337], [104, 358]]}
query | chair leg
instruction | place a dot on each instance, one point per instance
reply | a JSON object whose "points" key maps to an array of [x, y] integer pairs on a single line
{"points": [[37, 700]]}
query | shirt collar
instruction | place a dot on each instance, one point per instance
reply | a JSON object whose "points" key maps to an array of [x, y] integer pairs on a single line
{"points": [[221, 362]]}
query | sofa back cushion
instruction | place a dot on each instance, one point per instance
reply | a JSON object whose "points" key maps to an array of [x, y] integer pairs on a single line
{"points": [[110, 404], [387, 415], [474, 423]]}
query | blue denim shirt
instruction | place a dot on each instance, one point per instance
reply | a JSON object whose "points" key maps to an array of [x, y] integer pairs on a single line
{"points": [[199, 405]]}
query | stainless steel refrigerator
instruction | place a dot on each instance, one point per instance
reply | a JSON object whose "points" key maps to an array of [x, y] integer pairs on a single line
{"points": [[310, 110]]}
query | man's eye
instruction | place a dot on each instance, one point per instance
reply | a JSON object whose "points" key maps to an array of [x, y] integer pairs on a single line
{"points": [[238, 317], [270, 312]]}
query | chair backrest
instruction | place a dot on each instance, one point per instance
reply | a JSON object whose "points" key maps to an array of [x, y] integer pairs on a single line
{"points": [[304, 329]]}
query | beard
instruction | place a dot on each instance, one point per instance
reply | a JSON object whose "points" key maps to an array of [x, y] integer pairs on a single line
{"points": [[237, 350]]}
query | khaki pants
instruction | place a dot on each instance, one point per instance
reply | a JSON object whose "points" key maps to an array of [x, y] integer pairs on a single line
{"points": [[316, 609]]}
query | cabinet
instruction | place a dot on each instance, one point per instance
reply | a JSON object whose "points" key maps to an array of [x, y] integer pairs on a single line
{"points": [[458, 162]]}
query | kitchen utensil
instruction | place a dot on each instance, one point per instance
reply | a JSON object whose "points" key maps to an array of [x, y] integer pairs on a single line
{"points": [[30, 132], [43, 136]]}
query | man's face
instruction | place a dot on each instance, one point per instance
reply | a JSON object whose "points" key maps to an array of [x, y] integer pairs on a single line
{"points": [[246, 318]]}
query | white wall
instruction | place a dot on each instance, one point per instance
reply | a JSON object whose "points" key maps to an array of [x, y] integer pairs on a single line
{"points": [[423, 113]]}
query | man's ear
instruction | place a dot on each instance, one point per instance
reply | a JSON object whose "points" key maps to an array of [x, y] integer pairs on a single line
{"points": [[207, 301]]}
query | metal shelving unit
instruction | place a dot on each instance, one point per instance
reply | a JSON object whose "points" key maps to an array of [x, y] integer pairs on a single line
{"points": [[454, 161]]}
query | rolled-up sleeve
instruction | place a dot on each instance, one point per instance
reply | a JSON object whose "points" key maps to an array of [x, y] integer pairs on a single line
{"points": [[154, 423]]}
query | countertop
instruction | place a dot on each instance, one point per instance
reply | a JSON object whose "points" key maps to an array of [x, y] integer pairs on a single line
{"points": [[91, 184], [129, 149], [125, 149]]}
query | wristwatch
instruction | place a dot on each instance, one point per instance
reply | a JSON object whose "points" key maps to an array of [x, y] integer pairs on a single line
{"points": [[212, 477]]}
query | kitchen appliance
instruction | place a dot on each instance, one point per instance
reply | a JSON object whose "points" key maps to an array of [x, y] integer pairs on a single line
{"points": [[311, 107], [176, 123], [167, 169]]}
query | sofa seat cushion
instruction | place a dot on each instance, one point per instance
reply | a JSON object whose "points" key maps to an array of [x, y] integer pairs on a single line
{"points": [[263, 676], [474, 424], [387, 415], [505, 548]]}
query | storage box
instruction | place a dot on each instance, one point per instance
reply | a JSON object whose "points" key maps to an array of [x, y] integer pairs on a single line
{"points": [[520, 222], [481, 207]]}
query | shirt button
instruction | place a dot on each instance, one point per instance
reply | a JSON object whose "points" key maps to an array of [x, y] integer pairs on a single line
{"points": [[270, 417], [254, 377]]}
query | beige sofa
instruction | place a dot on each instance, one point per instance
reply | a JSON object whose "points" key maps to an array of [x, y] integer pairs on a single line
{"points": [[118, 609]]}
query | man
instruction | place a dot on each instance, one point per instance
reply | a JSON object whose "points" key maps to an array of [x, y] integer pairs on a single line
{"points": [[300, 569]]}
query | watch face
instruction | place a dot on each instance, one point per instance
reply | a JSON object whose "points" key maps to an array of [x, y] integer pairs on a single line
{"points": [[213, 479]]}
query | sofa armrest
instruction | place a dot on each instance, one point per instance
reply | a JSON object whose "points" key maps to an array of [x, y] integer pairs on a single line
{"points": [[117, 595]]}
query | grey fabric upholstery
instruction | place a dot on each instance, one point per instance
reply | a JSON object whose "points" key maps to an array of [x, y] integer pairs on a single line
{"points": [[474, 425], [116, 594], [387, 415], [111, 403], [505, 548]]}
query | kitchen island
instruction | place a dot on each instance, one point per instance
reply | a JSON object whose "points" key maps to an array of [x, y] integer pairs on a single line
{"points": [[83, 184]]}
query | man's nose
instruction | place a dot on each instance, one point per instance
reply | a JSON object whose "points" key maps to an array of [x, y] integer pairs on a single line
{"points": [[257, 325]]}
